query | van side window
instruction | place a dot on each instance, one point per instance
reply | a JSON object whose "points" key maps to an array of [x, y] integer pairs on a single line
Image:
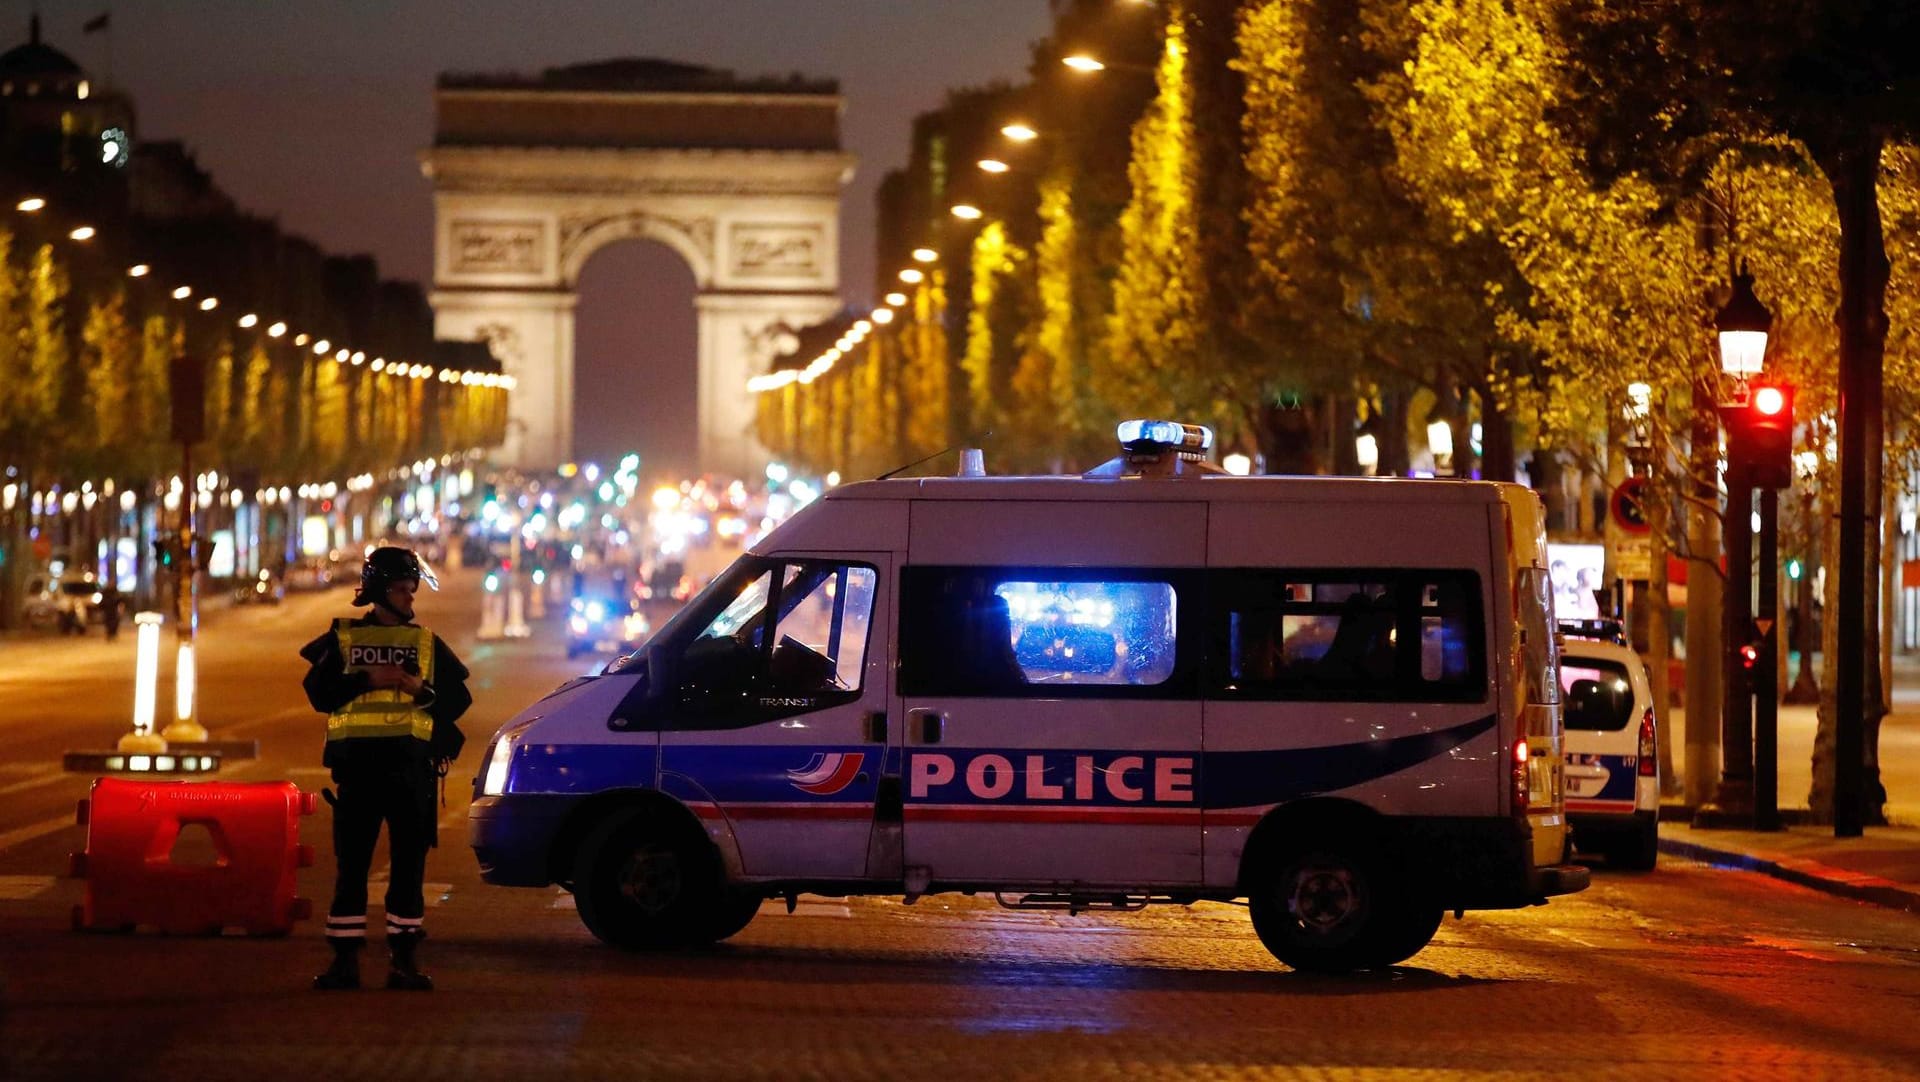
{"points": [[790, 638], [1037, 632], [1382, 635], [821, 642]]}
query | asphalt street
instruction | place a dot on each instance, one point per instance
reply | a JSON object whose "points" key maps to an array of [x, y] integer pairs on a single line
{"points": [[1688, 971]]}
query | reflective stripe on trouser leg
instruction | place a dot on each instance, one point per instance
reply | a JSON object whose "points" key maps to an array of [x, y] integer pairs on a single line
{"points": [[347, 927], [405, 926]]}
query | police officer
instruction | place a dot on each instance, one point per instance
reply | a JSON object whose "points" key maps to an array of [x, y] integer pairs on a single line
{"points": [[392, 692]]}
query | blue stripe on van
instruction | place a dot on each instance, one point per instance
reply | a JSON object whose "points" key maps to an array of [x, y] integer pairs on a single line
{"points": [[1239, 779], [798, 775], [581, 768]]}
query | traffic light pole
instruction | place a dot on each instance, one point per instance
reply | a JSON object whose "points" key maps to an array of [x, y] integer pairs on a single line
{"points": [[186, 379], [1766, 672], [185, 728], [1734, 800]]}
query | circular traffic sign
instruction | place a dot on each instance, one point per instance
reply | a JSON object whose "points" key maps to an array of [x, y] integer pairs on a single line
{"points": [[1628, 505]]}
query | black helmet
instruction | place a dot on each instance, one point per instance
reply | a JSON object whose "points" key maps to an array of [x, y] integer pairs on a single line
{"points": [[387, 565]]}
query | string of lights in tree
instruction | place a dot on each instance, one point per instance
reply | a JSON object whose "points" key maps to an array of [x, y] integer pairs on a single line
{"points": [[823, 363], [820, 365], [279, 329]]}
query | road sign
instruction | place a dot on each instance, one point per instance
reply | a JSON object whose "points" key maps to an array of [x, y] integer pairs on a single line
{"points": [[1628, 506], [1632, 557]]}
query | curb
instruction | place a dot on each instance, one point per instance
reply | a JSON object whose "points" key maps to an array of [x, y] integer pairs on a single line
{"points": [[1807, 873]]}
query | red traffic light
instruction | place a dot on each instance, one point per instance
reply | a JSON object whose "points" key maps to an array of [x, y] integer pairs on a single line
{"points": [[1749, 655], [1760, 434]]}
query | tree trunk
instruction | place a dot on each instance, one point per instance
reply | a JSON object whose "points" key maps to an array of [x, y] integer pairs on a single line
{"points": [[1704, 599], [1342, 409], [1851, 161], [1496, 440], [1660, 635], [1546, 472], [1396, 458]]}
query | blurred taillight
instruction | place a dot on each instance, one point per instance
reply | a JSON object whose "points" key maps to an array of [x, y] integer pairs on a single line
{"points": [[1649, 765], [1521, 790]]}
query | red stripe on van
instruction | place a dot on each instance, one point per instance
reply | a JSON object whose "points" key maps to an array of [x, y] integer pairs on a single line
{"points": [[1599, 805]]}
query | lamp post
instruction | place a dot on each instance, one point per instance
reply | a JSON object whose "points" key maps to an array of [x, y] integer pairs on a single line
{"points": [[1743, 324]]}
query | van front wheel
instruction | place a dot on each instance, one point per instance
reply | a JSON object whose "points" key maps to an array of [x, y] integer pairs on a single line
{"points": [[639, 886], [1329, 910]]}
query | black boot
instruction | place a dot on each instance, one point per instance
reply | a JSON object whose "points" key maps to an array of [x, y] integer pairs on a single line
{"points": [[402, 973], [345, 970]]}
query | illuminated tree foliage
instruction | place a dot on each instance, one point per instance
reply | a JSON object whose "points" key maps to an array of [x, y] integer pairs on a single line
{"points": [[990, 358], [1154, 336], [107, 359], [925, 379]]}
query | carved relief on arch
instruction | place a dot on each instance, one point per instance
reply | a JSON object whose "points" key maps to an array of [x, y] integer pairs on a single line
{"points": [[581, 235], [504, 340]]}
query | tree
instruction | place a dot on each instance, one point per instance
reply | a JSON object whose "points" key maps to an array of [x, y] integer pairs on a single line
{"points": [[1664, 87], [108, 361], [1154, 336]]}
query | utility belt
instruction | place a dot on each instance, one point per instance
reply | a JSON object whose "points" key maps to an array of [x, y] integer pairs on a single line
{"points": [[382, 712]]}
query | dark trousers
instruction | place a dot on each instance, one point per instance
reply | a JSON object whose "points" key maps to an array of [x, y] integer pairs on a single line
{"points": [[403, 800]]}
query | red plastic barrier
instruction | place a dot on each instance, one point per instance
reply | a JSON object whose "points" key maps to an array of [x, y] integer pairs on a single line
{"points": [[132, 879]]}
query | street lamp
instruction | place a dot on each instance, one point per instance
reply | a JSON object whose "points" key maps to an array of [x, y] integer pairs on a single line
{"points": [[967, 212], [1019, 133], [992, 165], [1743, 323], [1639, 439], [1083, 63], [925, 255], [1747, 744]]}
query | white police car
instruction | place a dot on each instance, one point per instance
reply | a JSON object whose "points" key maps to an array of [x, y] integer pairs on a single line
{"points": [[1613, 773]]}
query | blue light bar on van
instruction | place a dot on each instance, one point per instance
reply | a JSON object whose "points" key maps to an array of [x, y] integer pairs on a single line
{"points": [[1142, 436]]}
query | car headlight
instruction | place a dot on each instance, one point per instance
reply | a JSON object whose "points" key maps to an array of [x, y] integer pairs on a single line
{"points": [[498, 763], [596, 611], [578, 624]]}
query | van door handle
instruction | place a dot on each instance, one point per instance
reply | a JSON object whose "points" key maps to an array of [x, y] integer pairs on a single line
{"points": [[926, 726], [877, 727]]}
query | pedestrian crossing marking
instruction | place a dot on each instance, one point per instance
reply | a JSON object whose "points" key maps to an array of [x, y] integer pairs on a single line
{"points": [[18, 888]]}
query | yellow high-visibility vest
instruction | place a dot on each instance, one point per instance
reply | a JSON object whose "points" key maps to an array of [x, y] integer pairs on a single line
{"points": [[382, 711]]}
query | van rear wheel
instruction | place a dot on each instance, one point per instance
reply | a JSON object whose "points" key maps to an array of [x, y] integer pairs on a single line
{"points": [[641, 886], [1410, 928], [1331, 909]]}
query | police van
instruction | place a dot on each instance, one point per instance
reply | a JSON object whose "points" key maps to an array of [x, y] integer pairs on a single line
{"points": [[1337, 698]]}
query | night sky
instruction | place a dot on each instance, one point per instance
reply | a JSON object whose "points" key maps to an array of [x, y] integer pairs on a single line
{"points": [[314, 113]]}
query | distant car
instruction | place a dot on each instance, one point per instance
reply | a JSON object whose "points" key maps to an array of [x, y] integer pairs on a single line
{"points": [[265, 588], [42, 607], [1612, 771], [70, 603], [597, 625], [312, 573]]}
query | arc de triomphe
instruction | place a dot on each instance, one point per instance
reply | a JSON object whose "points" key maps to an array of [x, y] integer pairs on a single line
{"points": [[533, 174]]}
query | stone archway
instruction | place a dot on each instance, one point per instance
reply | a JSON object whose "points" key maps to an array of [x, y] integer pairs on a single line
{"points": [[532, 175]]}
